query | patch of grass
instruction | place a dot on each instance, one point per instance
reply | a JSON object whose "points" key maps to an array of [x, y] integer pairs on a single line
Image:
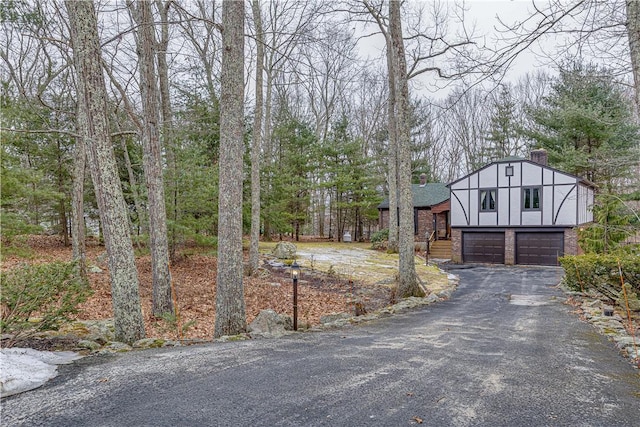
{"points": [[368, 266]]}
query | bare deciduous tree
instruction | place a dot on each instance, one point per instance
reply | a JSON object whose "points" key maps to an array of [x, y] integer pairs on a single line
{"points": [[230, 306], [152, 157], [633, 35], [92, 96], [256, 145], [589, 27], [407, 278], [78, 233]]}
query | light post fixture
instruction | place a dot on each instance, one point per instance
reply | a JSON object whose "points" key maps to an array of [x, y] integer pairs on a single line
{"points": [[295, 274]]}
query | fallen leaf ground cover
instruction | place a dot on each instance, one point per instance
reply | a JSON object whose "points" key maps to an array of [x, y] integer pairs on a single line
{"points": [[335, 277]]}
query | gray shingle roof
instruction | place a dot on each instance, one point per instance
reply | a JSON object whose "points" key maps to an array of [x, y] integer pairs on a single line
{"points": [[430, 194], [509, 159]]}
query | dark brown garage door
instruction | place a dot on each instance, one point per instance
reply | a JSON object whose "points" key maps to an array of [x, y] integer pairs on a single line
{"points": [[483, 247], [539, 248]]}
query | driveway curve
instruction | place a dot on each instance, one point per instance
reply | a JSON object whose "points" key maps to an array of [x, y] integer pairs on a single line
{"points": [[504, 351]]}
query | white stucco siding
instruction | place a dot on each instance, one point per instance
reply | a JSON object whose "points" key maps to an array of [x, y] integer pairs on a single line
{"points": [[488, 218], [531, 174], [565, 204], [564, 201], [515, 179], [504, 204], [547, 176], [473, 180], [460, 185], [503, 179], [561, 178], [459, 205], [532, 218], [473, 207], [548, 209], [585, 203], [515, 203], [488, 177]]}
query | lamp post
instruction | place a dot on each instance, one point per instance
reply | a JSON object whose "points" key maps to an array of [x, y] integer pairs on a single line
{"points": [[295, 273]]}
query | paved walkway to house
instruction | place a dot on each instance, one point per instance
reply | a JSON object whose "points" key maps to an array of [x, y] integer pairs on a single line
{"points": [[503, 351]]}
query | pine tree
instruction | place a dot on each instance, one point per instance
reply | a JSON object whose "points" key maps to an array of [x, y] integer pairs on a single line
{"points": [[504, 132], [586, 125]]}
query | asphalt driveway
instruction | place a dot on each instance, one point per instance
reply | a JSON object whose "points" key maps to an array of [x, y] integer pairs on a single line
{"points": [[504, 351]]}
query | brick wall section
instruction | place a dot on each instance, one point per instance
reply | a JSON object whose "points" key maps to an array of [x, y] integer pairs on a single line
{"points": [[456, 245], [384, 219], [509, 246], [425, 223], [571, 242]]}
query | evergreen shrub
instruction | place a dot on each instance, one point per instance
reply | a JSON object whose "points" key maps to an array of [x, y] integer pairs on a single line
{"points": [[37, 298], [600, 271], [379, 237]]}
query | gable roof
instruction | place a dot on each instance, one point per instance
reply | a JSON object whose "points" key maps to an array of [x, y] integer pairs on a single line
{"points": [[424, 196], [509, 159], [513, 159]]}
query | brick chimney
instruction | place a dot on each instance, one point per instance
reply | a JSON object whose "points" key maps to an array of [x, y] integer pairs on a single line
{"points": [[539, 156], [423, 179]]}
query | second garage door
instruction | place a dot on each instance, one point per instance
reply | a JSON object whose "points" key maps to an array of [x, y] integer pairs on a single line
{"points": [[539, 248], [483, 247]]}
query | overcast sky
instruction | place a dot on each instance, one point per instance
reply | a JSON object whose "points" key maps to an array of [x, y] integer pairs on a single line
{"points": [[483, 15]]}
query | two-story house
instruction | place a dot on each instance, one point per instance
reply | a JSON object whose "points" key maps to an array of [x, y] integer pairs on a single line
{"points": [[518, 211]]}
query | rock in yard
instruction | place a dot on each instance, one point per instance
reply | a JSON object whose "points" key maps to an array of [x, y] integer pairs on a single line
{"points": [[270, 324], [631, 299], [89, 345], [284, 250], [149, 343], [330, 318], [95, 269], [115, 347], [233, 338]]}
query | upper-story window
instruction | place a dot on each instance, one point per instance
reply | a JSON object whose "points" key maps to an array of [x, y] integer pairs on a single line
{"points": [[531, 198], [488, 200]]}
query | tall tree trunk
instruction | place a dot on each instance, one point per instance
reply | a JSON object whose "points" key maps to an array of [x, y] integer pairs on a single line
{"points": [[152, 160], [254, 256], [407, 282], [322, 210], [167, 123], [230, 306], [633, 33], [92, 97], [392, 162], [78, 233], [267, 144]]}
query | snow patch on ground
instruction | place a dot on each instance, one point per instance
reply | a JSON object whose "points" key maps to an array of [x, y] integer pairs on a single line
{"points": [[336, 255], [23, 369]]}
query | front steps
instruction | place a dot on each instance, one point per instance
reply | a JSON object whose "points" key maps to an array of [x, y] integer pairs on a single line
{"points": [[440, 249]]}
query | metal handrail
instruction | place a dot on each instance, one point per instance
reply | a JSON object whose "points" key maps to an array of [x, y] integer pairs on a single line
{"points": [[429, 240]]}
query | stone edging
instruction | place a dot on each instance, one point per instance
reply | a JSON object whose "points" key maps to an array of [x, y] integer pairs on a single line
{"points": [[607, 321]]}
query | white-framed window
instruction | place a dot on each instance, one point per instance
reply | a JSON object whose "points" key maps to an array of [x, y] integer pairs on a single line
{"points": [[531, 198], [488, 200]]}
